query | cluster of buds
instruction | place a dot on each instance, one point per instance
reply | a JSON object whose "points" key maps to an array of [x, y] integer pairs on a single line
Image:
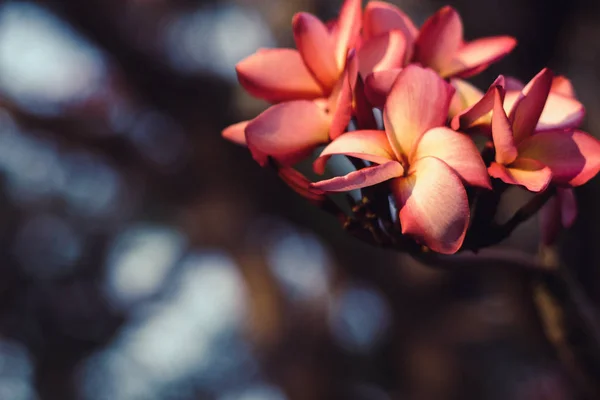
{"points": [[421, 157]]}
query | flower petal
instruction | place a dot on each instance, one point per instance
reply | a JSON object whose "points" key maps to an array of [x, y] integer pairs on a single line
{"points": [[550, 221], [277, 75], [347, 30], [236, 133], [511, 99], [563, 86], [433, 205], [369, 145], [458, 151], [527, 112], [502, 134], [316, 46], [440, 38], [573, 156], [419, 100], [560, 112], [568, 206], [381, 17], [477, 55], [480, 112], [300, 184], [340, 101], [379, 84], [466, 95], [288, 128], [382, 52], [363, 177], [527, 172], [559, 211]]}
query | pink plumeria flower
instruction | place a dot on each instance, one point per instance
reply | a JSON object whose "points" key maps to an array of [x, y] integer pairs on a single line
{"points": [[425, 162], [530, 150], [559, 212], [311, 71], [439, 45], [562, 109], [312, 87], [305, 118]]}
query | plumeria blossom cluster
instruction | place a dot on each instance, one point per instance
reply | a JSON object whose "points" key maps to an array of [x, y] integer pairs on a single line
{"points": [[392, 98]]}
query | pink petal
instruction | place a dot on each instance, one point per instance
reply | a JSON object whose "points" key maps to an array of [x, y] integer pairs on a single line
{"points": [[480, 112], [419, 100], [382, 52], [568, 206], [458, 151], [477, 55], [527, 112], [433, 205], [316, 47], [236, 133], [300, 184], [573, 156], [563, 86], [363, 177], [381, 17], [440, 38], [550, 221], [379, 84], [367, 145], [560, 210], [288, 128], [527, 172], [277, 75], [466, 95], [502, 134], [347, 30], [511, 99], [340, 101], [560, 112]]}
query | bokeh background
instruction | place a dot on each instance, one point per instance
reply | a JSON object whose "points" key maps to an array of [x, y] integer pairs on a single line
{"points": [[144, 257]]}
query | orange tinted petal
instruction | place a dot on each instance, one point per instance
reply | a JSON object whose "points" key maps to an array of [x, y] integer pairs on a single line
{"points": [[502, 134], [433, 205], [526, 114], [458, 151], [477, 55], [560, 112], [369, 145], [379, 84], [316, 46], [362, 178], [418, 102], [440, 38], [382, 52], [573, 156], [526, 172], [347, 30], [288, 128], [480, 112], [236, 133], [277, 75]]}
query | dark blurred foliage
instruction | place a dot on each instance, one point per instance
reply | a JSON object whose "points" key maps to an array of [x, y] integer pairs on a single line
{"points": [[144, 257]]}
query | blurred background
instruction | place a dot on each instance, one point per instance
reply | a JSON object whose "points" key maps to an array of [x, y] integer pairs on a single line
{"points": [[144, 257]]}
